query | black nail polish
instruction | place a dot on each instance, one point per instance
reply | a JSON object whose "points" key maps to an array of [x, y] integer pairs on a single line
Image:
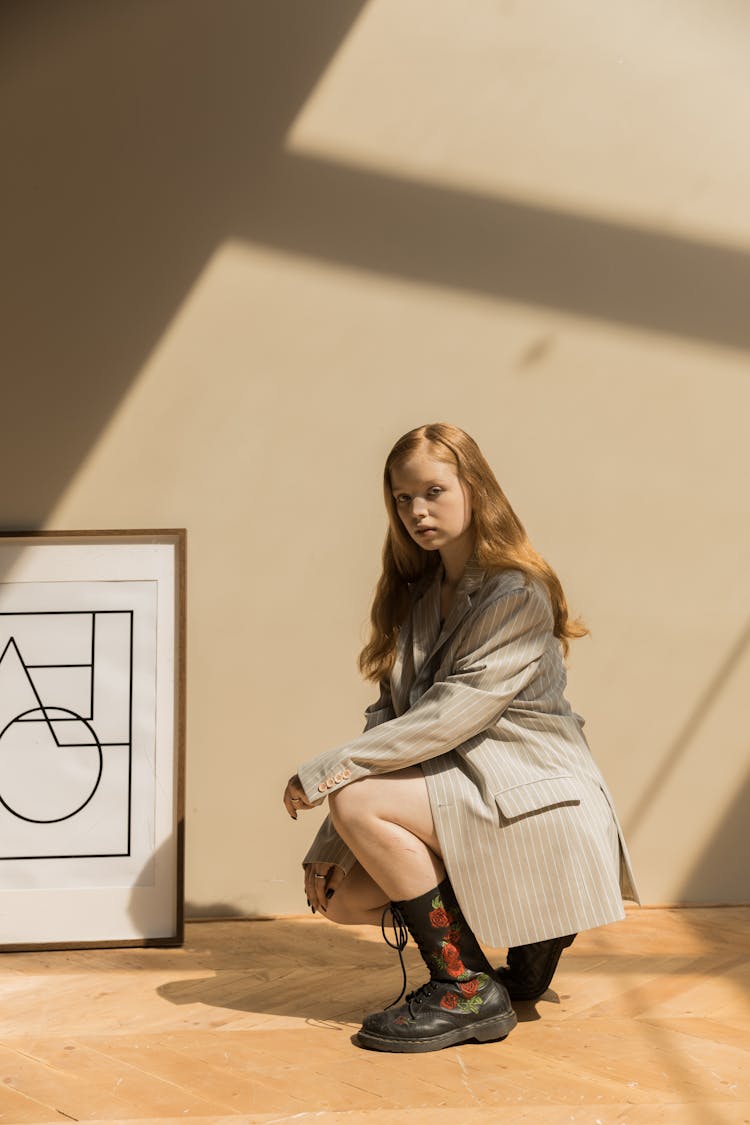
{"points": [[330, 893]]}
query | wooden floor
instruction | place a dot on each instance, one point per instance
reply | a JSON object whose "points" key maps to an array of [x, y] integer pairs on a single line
{"points": [[251, 1021]]}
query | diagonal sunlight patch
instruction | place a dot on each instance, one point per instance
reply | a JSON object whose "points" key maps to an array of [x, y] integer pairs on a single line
{"points": [[502, 104]]}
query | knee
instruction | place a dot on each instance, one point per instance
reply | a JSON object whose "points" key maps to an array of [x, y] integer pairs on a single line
{"points": [[347, 805], [343, 912], [349, 906]]}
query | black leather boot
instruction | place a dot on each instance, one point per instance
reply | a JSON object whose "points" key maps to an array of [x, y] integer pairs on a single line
{"points": [[462, 999], [531, 967]]}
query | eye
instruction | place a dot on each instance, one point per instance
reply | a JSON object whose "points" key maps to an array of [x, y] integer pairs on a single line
{"points": [[402, 498], [435, 490]]}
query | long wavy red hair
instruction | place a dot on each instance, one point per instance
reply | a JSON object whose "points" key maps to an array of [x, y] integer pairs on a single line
{"points": [[500, 543]]}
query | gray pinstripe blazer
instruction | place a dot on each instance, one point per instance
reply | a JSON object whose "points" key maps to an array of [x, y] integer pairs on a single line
{"points": [[527, 828]]}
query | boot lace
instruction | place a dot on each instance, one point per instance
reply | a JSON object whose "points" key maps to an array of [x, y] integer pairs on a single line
{"points": [[401, 936], [420, 996]]}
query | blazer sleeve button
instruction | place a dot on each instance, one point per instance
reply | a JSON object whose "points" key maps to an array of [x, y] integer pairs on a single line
{"points": [[330, 783], [337, 777], [346, 774], [322, 787]]}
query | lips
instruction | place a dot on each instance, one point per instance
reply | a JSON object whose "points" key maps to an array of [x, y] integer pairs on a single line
{"points": [[425, 530]]}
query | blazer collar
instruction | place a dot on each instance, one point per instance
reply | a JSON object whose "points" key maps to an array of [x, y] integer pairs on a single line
{"points": [[471, 580], [429, 635]]}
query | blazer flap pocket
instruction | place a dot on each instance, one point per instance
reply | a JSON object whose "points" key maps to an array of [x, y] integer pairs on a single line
{"points": [[540, 794]]}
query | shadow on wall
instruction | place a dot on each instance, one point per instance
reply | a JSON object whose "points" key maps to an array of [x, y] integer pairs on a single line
{"points": [[722, 873], [136, 137], [139, 136], [221, 912], [158, 919]]}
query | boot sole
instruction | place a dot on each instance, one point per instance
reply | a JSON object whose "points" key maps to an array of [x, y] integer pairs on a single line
{"points": [[483, 1030]]}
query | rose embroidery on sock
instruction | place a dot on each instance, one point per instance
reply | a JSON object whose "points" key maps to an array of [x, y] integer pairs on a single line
{"points": [[451, 955], [448, 960], [439, 916]]}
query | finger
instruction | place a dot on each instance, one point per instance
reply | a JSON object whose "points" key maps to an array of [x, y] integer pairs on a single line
{"points": [[296, 797], [319, 886], [312, 893], [308, 887], [296, 793], [335, 878], [314, 889], [290, 805]]}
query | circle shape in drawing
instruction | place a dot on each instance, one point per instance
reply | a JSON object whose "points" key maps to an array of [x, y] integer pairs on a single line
{"points": [[50, 765]]}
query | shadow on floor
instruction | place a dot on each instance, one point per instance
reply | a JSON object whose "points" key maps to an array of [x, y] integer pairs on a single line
{"points": [[303, 970]]}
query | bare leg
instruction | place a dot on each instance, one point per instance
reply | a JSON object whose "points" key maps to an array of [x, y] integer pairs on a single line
{"points": [[358, 901], [386, 820]]}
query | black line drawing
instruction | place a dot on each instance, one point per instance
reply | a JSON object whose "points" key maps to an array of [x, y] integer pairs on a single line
{"points": [[66, 702]]}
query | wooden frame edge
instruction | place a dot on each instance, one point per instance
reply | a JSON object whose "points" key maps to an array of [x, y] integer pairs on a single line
{"points": [[179, 535]]}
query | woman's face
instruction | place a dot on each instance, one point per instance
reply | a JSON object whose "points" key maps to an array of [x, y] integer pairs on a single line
{"points": [[433, 504]]}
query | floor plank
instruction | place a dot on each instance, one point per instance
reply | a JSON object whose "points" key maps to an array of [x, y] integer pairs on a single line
{"points": [[648, 1023]]}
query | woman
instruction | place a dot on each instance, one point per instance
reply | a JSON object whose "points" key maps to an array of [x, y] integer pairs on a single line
{"points": [[470, 805]]}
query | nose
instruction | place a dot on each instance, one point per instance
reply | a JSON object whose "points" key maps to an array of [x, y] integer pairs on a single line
{"points": [[419, 508]]}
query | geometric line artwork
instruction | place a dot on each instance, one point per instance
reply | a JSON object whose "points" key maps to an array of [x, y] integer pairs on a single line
{"points": [[92, 738], [66, 722]]}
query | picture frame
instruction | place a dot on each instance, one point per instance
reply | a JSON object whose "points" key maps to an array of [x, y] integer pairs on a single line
{"points": [[92, 738]]}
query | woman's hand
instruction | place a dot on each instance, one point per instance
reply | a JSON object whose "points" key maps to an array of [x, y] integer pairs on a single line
{"points": [[295, 799], [321, 881]]}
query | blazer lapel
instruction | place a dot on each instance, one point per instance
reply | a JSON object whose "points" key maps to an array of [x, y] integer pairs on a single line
{"points": [[425, 625], [415, 638], [469, 584]]}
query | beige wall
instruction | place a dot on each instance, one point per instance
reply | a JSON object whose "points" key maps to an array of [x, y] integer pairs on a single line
{"points": [[252, 243]]}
